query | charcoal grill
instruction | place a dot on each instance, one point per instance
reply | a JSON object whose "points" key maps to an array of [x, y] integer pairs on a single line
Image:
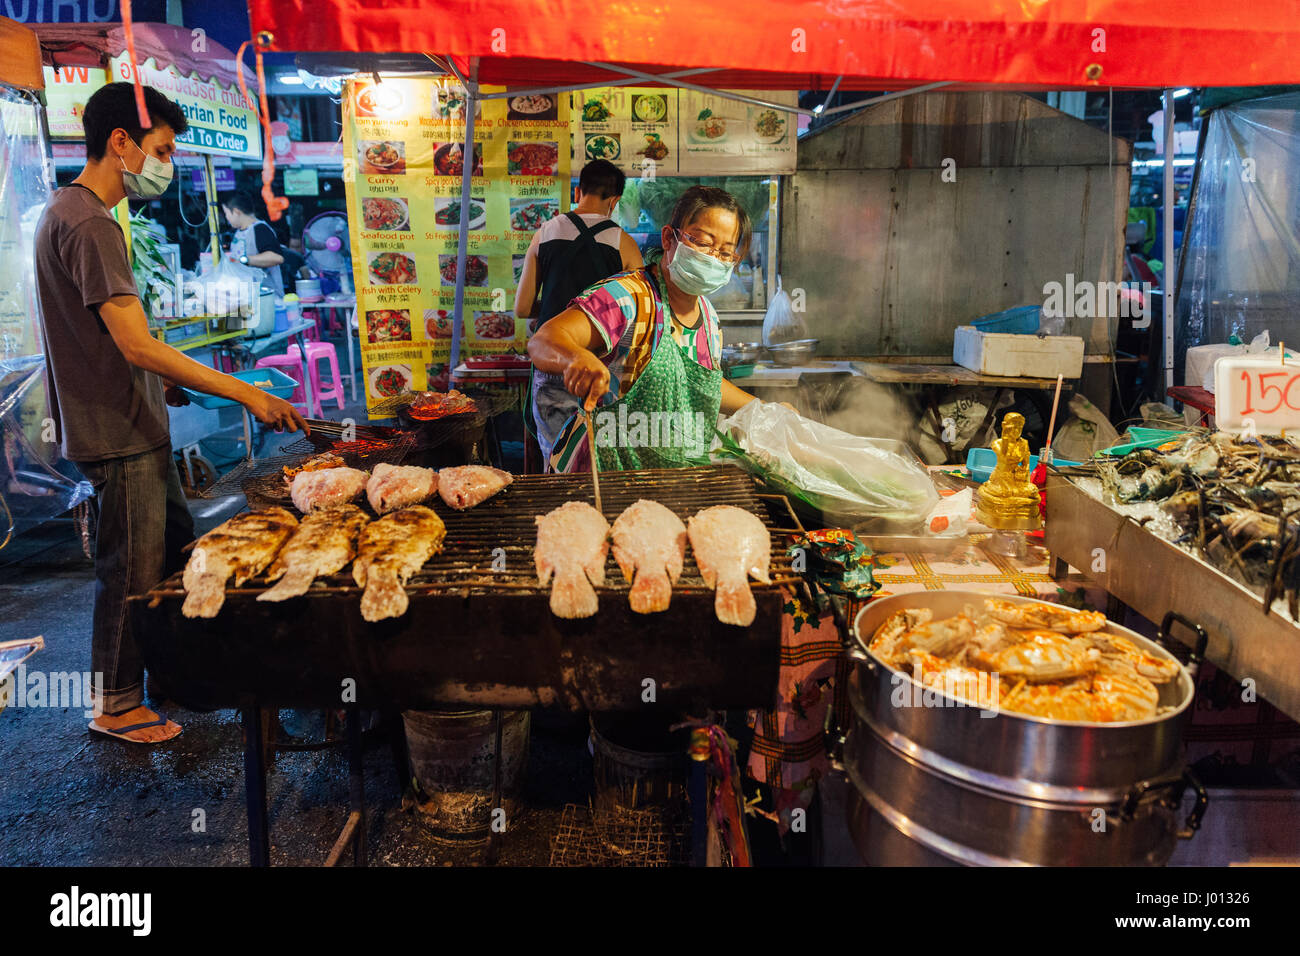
{"points": [[479, 631], [475, 636]]}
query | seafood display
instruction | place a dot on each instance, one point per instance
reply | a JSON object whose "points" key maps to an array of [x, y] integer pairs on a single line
{"points": [[389, 551], [731, 545], [650, 547], [240, 547], [324, 542], [572, 542], [327, 488], [397, 486], [430, 405], [465, 486], [1234, 502], [1056, 663]]}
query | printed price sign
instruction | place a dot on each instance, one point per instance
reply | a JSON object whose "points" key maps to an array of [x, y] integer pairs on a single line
{"points": [[1257, 395]]}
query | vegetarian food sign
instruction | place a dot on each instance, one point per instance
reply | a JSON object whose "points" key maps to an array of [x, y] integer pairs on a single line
{"points": [[403, 156], [220, 122], [656, 131]]}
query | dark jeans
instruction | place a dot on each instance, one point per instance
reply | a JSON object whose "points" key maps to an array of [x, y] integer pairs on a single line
{"points": [[142, 522]]}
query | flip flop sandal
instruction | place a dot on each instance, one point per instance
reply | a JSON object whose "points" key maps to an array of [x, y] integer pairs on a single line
{"points": [[121, 732]]}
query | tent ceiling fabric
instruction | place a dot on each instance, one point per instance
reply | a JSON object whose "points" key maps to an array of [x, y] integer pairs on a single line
{"points": [[805, 44], [92, 44]]}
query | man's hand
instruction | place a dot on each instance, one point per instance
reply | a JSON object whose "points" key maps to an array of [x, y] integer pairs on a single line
{"points": [[276, 412], [587, 377], [173, 395]]}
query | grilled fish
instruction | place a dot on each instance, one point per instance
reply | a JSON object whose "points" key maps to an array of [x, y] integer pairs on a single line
{"points": [[468, 485], [389, 551], [572, 542], [730, 543], [649, 546], [240, 547], [327, 488], [324, 542], [395, 486]]}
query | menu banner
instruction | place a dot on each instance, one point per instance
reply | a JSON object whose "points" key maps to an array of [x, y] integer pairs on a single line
{"points": [[66, 91], [403, 159], [653, 131]]}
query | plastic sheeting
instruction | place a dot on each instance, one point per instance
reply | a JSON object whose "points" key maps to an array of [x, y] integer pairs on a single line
{"points": [[36, 483], [1241, 256]]}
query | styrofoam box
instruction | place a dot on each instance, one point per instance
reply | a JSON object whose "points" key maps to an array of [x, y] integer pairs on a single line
{"points": [[1018, 356]]}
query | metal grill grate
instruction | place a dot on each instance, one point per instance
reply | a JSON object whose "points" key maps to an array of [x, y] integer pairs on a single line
{"points": [[490, 548], [261, 480], [621, 837]]}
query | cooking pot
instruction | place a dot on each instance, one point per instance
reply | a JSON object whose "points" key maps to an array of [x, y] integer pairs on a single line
{"points": [[937, 780]]}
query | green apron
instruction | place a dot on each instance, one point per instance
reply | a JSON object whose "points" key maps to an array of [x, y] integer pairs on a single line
{"points": [[670, 382]]}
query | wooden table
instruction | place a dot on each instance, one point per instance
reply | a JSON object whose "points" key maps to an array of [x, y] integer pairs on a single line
{"points": [[934, 378]]}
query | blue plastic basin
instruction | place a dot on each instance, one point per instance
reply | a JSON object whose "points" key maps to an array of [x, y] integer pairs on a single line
{"points": [[281, 385], [980, 462], [1022, 320]]}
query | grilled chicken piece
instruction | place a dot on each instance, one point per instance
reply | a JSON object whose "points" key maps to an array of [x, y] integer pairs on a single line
{"points": [[468, 485], [328, 488], [240, 547], [389, 551], [649, 546], [396, 486], [729, 544], [572, 542], [324, 542]]}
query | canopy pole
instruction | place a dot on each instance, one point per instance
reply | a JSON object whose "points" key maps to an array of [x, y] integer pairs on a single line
{"points": [[1168, 297], [857, 105], [466, 181], [724, 94], [830, 96], [210, 188]]}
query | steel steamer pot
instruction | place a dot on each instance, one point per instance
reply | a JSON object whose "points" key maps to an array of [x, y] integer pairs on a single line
{"points": [[940, 782]]}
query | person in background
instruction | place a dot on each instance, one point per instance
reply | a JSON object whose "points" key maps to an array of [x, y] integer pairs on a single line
{"points": [[256, 243], [568, 254], [109, 382]]}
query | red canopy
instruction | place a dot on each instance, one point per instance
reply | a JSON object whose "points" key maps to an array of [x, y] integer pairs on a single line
{"points": [[92, 44], [806, 44]]}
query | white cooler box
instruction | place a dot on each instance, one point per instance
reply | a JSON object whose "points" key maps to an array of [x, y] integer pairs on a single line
{"points": [[1018, 356]]}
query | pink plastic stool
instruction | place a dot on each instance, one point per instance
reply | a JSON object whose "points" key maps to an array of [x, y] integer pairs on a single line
{"points": [[332, 389], [291, 365]]}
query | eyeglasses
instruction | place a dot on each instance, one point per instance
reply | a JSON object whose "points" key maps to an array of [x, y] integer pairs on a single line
{"points": [[707, 248]]}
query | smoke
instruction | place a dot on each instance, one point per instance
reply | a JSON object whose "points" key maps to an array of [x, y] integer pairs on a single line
{"points": [[879, 411]]}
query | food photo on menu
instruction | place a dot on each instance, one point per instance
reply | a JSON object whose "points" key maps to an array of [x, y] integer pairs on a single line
{"points": [[535, 106], [437, 323], [476, 269], [381, 156], [388, 325], [532, 158], [387, 214], [392, 268], [494, 325], [447, 213], [388, 381], [527, 215], [449, 159]]}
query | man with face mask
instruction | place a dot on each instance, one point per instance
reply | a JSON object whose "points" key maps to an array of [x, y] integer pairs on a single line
{"points": [[648, 342], [109, 381]]}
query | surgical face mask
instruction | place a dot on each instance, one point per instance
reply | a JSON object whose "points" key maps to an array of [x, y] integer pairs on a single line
{"points": [[151, 181], [697, 273]]}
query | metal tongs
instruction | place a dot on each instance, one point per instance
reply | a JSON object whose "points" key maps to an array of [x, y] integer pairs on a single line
{"points": [[591, 453]]}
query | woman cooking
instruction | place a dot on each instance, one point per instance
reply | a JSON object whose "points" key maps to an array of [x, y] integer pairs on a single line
{"points": [[645, 341]]}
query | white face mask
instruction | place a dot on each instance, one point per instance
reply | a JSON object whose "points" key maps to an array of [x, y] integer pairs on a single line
{"points": [[151, 181]]}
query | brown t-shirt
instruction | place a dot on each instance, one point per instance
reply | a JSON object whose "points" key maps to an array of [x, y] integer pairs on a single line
{"points": [[103, 406]]}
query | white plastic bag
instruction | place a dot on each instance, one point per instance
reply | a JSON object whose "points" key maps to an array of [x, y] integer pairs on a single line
{"points": [[1088, 431], [826, 468], [780, 324], [230, 289]]}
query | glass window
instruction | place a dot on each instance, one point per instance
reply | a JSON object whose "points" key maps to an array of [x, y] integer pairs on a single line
{"points": [[647, 205]]}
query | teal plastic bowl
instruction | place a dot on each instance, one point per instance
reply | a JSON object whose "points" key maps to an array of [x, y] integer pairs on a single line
{"points": [[980, 462], [281, 386], [1022, 320]]}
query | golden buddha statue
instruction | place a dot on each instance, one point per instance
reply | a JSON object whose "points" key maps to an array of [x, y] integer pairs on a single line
{"points": [[1009, 500]]}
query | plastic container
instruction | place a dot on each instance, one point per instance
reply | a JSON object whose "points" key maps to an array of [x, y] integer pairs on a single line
{"points": [[281, 386], [980, 462], [1022, 320]]}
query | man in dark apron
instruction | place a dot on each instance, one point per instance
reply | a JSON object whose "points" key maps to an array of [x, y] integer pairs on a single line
{"points": [[567, 255]]}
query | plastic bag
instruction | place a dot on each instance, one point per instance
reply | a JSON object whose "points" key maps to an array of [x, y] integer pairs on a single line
{"points": [[827, 469], [960, 414], [780, 323], [229, 289], [1087, 432]]}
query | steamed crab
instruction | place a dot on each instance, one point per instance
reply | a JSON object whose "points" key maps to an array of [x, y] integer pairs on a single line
{"points": [[1036, 659]]}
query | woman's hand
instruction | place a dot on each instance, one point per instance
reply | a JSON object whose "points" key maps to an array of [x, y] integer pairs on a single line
{"points": [[586, 377]]}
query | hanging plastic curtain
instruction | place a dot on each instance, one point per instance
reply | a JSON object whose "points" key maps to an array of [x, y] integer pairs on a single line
{"points": [[36, 483], [1241, 266]]}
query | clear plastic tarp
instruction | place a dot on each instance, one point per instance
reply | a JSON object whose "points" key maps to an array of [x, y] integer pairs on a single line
{"points": [[36, 483], [1241, 266]]}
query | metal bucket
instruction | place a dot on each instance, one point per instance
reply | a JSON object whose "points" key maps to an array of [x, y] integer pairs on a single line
{"points": [[652, 776], [453, 758], [952, 784]]}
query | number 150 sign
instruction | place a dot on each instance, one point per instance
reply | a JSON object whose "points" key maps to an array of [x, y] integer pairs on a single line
{"points": [[1257, 395]]}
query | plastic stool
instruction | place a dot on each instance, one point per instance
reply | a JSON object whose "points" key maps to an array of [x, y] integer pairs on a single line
{"points": [[332, 389], [291, 365]]}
